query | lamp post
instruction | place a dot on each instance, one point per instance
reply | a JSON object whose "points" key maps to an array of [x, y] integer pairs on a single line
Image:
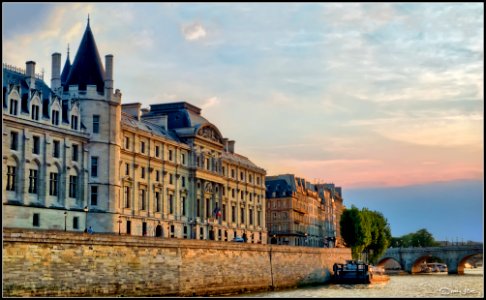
{"points": [[65, 218], [119, 224], [86, 209]]}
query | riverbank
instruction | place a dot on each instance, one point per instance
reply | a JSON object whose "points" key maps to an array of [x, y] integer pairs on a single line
{"points": [[58, 263]]}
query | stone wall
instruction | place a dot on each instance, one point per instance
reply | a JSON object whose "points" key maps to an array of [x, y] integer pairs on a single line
{"points": [[57, 263]]}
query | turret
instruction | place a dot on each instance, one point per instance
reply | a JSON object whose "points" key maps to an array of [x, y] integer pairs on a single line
{"points": [[56, 71], [30, 73], [109, 77]]}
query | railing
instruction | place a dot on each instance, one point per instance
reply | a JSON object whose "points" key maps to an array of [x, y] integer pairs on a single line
{"points": [[20, 70]]}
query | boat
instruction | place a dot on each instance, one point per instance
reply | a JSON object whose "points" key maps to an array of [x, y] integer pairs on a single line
{"points": [[355, 271]]}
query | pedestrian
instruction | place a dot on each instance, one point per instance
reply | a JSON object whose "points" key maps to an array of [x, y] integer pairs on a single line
{"points": [[244, 237], [90, 230]]}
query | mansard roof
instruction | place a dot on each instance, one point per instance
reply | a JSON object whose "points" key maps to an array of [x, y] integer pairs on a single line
{"points": [[147, 126], [241, 160], [282, 185], [15, 76], [87, 68]]}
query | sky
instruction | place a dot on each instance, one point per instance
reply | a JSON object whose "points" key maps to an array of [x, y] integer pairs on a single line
{"points": [[383, 99]]}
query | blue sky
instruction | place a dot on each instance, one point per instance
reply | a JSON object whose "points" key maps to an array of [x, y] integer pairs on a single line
{"points": [[365, 95]]}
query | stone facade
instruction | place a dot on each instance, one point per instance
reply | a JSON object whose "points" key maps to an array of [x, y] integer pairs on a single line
{"points": [[164, 171], [47, 263], [302, 214]]}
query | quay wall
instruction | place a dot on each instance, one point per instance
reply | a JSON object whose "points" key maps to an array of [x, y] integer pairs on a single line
{"points": [[58, 263]]}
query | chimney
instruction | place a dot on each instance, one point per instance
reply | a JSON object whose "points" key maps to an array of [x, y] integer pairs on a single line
{"points": [[133, 109], [30, 72], [231, 146], [109, 76], [225, 144], [56, 71]]}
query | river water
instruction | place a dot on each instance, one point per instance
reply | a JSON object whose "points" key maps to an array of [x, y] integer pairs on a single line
{"points": [[471, 284]]}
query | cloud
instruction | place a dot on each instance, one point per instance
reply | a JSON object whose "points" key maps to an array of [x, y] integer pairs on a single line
{"points": [[210, 102], [193, 32]]}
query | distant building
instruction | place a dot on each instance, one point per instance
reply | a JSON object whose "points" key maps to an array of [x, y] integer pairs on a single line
{"points": [[74, 156], [300, 213]]}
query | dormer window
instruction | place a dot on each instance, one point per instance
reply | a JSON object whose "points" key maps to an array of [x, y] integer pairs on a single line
{"points": [[74, 122], [35, 112], [14, 107], [55, 117]]}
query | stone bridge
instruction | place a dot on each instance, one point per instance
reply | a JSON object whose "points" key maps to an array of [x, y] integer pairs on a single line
{"points": [[410, 259]]}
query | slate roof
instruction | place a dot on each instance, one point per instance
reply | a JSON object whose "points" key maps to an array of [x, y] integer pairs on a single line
{"points": [[65, 70], [87, 68], [282, 185], [147, 126]]}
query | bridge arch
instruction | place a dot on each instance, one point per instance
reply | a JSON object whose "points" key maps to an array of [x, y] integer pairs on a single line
{"points": [[389, 263], [419, 261], [462, 263]]}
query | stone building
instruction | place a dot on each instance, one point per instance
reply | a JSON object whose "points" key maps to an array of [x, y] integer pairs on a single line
{"points": [[74, 156], [300, 213]]}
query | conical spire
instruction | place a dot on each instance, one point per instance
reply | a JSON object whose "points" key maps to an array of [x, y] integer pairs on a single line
{"points": [[66, 69], [87, 67]]}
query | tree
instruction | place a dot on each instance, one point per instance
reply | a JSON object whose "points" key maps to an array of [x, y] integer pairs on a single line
{"points": [[420, 238], [380, 234], [355, 230]]}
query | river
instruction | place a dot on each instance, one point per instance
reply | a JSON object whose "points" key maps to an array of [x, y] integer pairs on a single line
{"points": [[471, 284]]}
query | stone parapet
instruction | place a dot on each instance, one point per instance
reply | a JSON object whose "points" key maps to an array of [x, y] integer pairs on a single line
{"points": [[58, 263]]}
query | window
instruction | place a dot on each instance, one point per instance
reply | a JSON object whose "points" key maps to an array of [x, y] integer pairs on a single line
{"points": [[11, 172], [127, 169], [127, 197], [14, 140], [35, 220], [142, 147], [171, 204], [183, 158], [157, 176], [75, 222], [250, 179], [183, 203], [251, 216], [94, 195], [170, 155], [75, 152], [74, 122], [242, 195], [258, 180], [242, 212], [142, 200], [224, 212], [183, 181], [13, 106], [144, 228], [259, 213], [55, 117], [232, 193], [96, 123], [171, 180], [127, 142], [57, 149], [208, 164], [73, 186], [233, 214], [157, 201], [241, 176], [53, 183], [94, 166], [157, 151], [208, 210], [223, 170], [232, 173], [33, 181], [142, 172], [129, 227], [36, 144], [198, 208], [35, 112]]}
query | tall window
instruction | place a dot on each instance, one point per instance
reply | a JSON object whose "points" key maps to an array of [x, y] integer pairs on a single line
{"points": [[232, 193], [75, 222], [171, 204], [232, 173], [14, 140], [171, 180], [75, 152], [157, 176], [259, 216], [57, 148], [55, 117], [142, 199], [127, 197], [127, 142], [183, 158], [13, 106], [96, 123], [142, 147], [157, 201], [208, 210], [73, 186], [207, 164], [224, 212], [241, 176], [33, 181], [74, 122], [183, 181], [35, 112], [251, 216], [233, 214], [35, 220], [53, 183], [94, 166], [36, 144], [127, 169], [198, 208], [170, 155], [11, 172], [142, 174], [94, 195], [157, 151], [242, 213]]}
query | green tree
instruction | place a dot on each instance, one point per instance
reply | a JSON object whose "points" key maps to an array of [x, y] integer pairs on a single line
{"points": [[355, 230], [420, 238], [380, 234]]}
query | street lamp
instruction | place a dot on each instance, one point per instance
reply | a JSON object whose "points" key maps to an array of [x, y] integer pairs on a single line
{"points": [[86, 209], [65, 217], [119, 223]]}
